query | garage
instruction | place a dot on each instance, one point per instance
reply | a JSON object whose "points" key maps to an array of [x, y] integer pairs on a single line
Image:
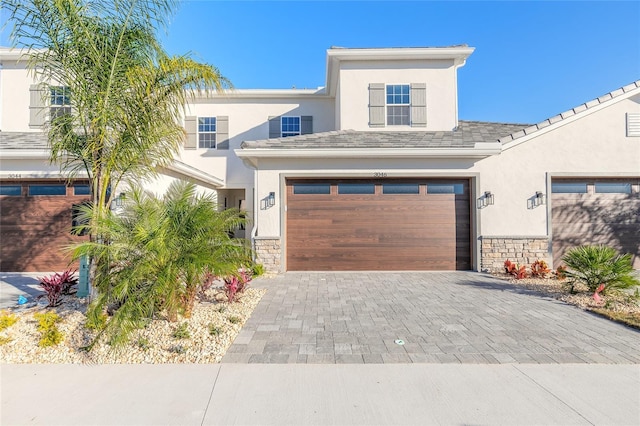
{"points": [[385, 224], [596, 211], [35, 224]]}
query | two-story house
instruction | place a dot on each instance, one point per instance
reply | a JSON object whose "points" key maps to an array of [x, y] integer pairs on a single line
{"points": [[373, 171]]}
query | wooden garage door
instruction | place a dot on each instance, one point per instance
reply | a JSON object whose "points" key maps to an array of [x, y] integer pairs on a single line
{"points": [[596, 211], [378, 225], [35, 224]]}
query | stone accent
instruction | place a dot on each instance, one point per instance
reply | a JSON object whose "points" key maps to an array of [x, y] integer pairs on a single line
{"points": [[523, 250], [268, 253]]}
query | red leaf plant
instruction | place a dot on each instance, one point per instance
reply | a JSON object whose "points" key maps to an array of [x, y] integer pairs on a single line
{"points": [[58, 284], [236, 284], [519, 272], [596, 295], [539, 269]]}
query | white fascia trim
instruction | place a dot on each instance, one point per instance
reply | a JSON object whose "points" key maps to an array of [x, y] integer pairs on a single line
{"points": [[488, 149], [26, 154], [191, 172], [263, 94], [570, 119]]}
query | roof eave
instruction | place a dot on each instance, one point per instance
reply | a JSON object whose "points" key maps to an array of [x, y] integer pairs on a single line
{"points": [[25, 154], [482, 150], [181, 170]]}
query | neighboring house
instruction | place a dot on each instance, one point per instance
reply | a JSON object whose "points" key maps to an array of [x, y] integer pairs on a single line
{"points": [[375, 171]]}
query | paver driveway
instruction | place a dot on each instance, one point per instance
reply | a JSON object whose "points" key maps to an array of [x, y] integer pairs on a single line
{"points": [[442, 317]]}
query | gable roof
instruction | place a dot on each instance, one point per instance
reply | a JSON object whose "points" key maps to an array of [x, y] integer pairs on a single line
{"points": [[466, 135], [606, 98]]}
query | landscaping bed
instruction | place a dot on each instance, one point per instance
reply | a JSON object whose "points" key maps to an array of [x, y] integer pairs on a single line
{"points": [[202, 338], [623, 306]]}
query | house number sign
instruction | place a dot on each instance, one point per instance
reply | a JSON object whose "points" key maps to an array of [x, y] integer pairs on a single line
{"points": [[380, 174]]}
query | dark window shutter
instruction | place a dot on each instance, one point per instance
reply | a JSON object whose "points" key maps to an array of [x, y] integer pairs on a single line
{"points": [[376, 105], [222, 132], [418, 105], [37, 110], [191, 126], [274, 127], [306, 124]]}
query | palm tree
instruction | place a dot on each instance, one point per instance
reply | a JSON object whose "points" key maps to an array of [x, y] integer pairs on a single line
{"points": [[155, 256], [127, 95]]}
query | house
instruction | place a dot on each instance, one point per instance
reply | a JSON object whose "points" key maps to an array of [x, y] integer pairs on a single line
{"points": [[374, 171]]}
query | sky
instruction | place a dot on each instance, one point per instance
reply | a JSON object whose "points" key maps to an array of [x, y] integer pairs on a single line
{"points": [[532, 60]]}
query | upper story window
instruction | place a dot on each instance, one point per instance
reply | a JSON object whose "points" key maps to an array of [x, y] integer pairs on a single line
{"points": [[290, 126], [60, 101], [206, 132], [398, 105]]}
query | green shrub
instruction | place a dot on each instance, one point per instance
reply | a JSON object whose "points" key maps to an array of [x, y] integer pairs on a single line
{"points": [[47, 321], [7, 320], [143, 343], [4, 340], [257, 269], [595, 265], [96, 321], [234, 320], [214, 330], [159, 252], [51, 337], [182, 332]]}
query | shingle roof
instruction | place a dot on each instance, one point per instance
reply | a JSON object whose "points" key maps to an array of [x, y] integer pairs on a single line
{"points": [[23, 140], [466, 135], [580, 108]]}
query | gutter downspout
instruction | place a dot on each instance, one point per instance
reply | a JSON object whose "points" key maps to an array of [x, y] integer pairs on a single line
{"points": [[254, 229]]}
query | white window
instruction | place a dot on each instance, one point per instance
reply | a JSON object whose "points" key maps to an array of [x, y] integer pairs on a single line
{"points": [[398, 105], [206, 132], [290, 126], [60, 101]]}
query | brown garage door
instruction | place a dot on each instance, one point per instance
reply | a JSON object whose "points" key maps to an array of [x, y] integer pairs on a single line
{"points": [[378, 225], [596, 211], [35, 224]]}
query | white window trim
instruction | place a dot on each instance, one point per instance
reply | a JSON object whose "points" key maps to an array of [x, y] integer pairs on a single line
{"points": [[215, 132], [282, 117], [387, 105]]}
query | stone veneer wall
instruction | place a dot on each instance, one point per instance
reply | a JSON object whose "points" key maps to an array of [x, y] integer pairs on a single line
{"points": [[268, 253], [523, 250]]}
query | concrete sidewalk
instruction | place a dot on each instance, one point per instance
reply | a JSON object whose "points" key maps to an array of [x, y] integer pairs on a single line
{"points": [[243, 394]]}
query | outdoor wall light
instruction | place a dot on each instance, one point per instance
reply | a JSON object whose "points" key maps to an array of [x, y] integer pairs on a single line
{"points": [[540, 199], [271, 200], [488, 199], [120, 199]]}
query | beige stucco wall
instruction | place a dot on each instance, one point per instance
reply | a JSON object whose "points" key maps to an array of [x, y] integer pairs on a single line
{"points": [[439, 76], [14, 97], [248, 120], [590, 144]]}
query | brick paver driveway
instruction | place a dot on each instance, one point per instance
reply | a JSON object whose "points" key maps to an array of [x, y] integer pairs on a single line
{"points": [[442, 317]]}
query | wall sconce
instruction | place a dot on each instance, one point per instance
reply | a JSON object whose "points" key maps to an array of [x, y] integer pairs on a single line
{"points": [[271, 200], [120, 199], [540, 199], [488, 199]]}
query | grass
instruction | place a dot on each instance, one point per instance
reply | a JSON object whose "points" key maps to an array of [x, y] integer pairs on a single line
{"points": [[632, 319]]}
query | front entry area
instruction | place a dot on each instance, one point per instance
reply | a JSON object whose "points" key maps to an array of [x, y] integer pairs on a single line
{"points": [[385, 224]]}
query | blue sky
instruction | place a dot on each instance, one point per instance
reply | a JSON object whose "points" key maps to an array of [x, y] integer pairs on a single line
{"points": [[532, 59]]}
